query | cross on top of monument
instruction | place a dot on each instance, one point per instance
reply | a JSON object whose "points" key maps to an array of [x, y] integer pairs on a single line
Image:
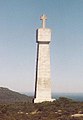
{"points": [[43, 18]]}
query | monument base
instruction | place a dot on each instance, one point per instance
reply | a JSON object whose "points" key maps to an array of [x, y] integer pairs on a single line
{"points": [[43, 100]]}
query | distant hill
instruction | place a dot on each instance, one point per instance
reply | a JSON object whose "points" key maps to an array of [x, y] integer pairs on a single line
{"points": [[9, 96]]}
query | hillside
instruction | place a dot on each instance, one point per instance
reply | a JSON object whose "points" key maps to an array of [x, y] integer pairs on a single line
{"points": [[61, 109], [16, 106], [9, 96]]}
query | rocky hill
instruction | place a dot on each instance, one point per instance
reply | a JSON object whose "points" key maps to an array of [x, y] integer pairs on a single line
{"points": [[9, 96]]}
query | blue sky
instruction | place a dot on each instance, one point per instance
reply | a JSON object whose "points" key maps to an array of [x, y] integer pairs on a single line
{"points": [[19, 20]]}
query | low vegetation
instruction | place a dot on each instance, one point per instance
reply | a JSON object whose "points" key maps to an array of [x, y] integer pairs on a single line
{"points": [[61, 109], [16, 106]]}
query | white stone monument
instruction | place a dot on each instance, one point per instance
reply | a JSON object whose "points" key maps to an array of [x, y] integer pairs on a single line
{"points": [[43, 77]]}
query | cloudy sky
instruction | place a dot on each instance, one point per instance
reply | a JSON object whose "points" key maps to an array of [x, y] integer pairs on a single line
{"points": [[19, 20]]}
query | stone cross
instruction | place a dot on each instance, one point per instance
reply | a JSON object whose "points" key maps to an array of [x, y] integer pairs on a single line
{"points": [[43, 77], [43, 18]]}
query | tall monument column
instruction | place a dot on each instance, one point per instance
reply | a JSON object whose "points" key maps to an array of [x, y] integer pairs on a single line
{"points": [[43, 77]]}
